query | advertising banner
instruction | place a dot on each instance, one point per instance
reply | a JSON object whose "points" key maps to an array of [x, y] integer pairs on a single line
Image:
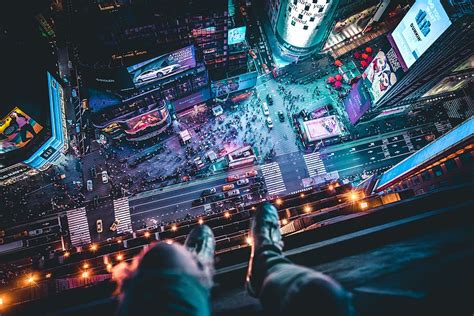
{"points": [[16, 130], [357, 102], [236, 35], [238, 83], [382, 73], [142, 122], [419, 29], [322, 128], [191, 100], [162, 67]]}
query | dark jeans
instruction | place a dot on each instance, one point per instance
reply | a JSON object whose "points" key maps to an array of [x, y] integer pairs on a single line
{"points": [[168, 281], [290, 289]]}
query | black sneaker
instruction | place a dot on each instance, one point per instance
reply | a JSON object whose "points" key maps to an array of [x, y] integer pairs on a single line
{"points": [[266, 236]]}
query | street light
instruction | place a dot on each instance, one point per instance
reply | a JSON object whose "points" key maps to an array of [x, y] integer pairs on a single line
{"points": [[284, 221], [147, 234], [67, 254], [302, 195], [85, 265], [279, 201], [226, 214], [94, 247], [119, 257], [249, 241], [85, 274], [307, 208], [30, 280], [363, 205], [174, 228], [200, 221]]}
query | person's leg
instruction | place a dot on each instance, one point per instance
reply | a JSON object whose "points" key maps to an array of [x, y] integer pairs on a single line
{"points": [[282, 286], [170, 279]]}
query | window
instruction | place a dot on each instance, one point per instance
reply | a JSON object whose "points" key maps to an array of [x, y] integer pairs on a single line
{"points": [[321, 9], [466, 158], [295, 2], [300, 16], [315, 1], [450, 164], [437, 171], [426, 176], [416, 180], [306, 8], [293, 23], [305, 27], [311, 19], [289, 9]]}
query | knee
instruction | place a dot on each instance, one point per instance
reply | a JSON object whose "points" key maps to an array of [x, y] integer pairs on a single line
{"points": [[167, 256], [319, 293]]}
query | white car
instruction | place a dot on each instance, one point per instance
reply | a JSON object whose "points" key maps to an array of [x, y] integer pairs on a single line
{"points": [[114, 225], [266, 110], [156, 73], [243, 182], [105, 177], [99, 226], [269, 122], [90, 187]]}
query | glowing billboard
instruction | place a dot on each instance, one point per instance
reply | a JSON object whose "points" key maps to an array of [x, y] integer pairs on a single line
{"points": [[357, 102], [427, 153], [163, 66], [322, 128], [16, 130], [234, 84], [236, 35], [382, 73], [144, 121], [419, 29]]}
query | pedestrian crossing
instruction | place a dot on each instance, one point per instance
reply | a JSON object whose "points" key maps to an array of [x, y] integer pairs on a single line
{"points": [[78, 227], [122, 214], [314, 164], [273, 178], [347, 32]]}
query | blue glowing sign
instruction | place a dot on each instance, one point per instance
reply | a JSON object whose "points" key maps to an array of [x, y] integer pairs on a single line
{"points": [[419, 29], [428, 152]]}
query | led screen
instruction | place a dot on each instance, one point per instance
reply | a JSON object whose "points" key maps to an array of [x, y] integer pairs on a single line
{"points": [[382, 73], [191, 100], [16, 130], [234, 84], [419, 29], [322, 128], [142, 122], [357, 102], [428, 152], [236, 35], [162, 67]]}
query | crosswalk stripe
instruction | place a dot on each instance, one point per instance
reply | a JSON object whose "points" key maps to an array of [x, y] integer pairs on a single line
{"points": [[78, 227], [122, 213], [273, 178], [314, 164]]}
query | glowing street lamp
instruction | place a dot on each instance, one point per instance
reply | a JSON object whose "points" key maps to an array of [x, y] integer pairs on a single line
{"points": [[249, 240], [200, 221], [147, 234], [279, 201], [85, 274], [174, 228], [226, 214]]}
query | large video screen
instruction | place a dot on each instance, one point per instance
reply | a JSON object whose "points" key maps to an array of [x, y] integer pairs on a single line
{"points": [[142, 122], [234, 84], [236, 35], [455, 136], [322, 128], [419, 29], [357, 102], [382, 73], [16, 130], [162, 67]]}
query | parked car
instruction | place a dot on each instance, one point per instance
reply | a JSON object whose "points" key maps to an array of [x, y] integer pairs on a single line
{"points": [[252, 54], [232, 178], [233, 193], [156, 73], [265, 68], [198, 202], [105, 177], [218, 197], [208, 192], [93, 172], [281, 116], [251, 173], [227, 187], [99, 226], [269, 99], [114, 225], [90, 187], [266, 110], [269, 122], [243, 182]]}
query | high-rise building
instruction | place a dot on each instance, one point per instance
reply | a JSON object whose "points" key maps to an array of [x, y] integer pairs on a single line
{"points": [[302, 27], [118, 33], [430, 50]]}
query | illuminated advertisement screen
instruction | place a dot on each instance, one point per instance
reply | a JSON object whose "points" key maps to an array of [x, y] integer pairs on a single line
{"points": [[382, 73], [230, 85], [50, 150], [191, 100], [16, 130], [162, 67], [142, 122], [428, 152], [236, 35], [419, 29], [322, 128], [357, 102]]}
